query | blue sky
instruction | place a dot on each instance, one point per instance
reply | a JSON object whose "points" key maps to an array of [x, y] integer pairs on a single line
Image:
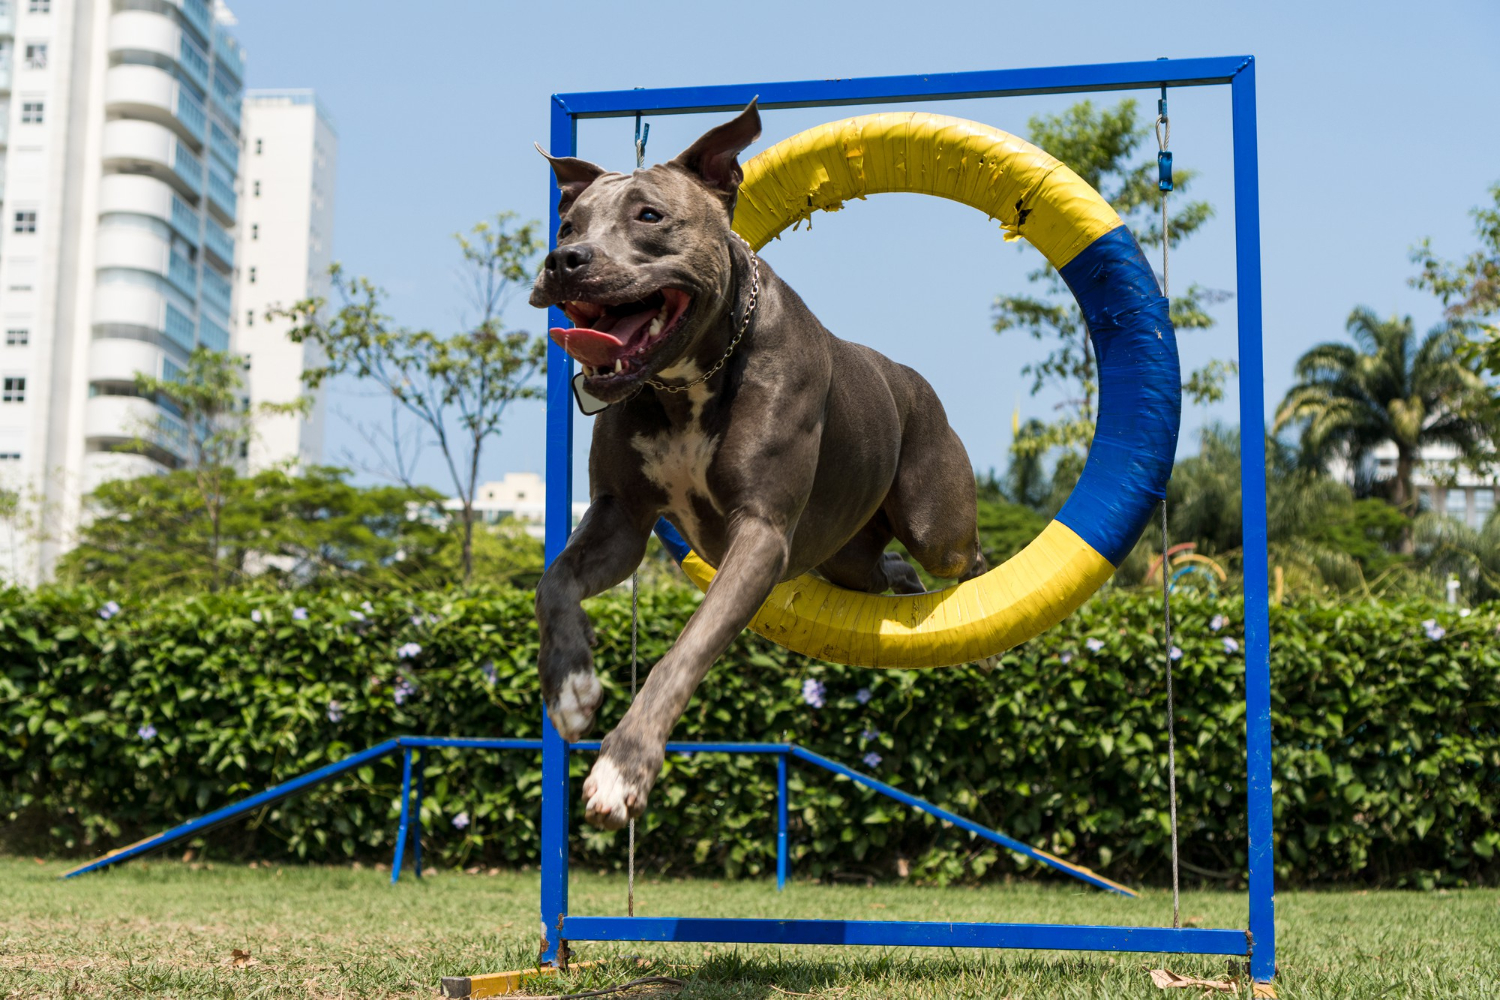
{"points": [[1376, 130]]}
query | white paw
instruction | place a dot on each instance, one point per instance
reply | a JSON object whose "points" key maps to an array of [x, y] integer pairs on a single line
{"points": [[989, 664], [577, 701], [608, 798]]}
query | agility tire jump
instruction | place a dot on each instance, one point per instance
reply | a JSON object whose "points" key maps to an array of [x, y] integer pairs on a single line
{"points": [[1036, 197]]}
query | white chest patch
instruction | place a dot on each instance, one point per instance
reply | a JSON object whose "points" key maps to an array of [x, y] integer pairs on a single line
{"points": [[677, 463]]}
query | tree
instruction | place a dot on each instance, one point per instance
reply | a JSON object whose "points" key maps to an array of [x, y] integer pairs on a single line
{"points": [[1449, 547], [456, 388], [155, 533], [1099, 145], [219, 424], [1388, 386], [1470, 290]]}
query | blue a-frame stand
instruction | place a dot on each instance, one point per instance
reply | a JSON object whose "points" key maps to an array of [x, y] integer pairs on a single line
{"points": [[1259, 940]]}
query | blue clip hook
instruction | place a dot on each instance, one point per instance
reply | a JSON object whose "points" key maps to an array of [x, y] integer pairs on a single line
{"points": [[1163, 158]]}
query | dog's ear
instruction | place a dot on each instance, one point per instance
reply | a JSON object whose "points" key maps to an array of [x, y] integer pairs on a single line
{"points": [[714, 157], [573, 175]]}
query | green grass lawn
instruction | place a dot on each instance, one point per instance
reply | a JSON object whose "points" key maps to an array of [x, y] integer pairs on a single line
{"points": [[164, 928]]}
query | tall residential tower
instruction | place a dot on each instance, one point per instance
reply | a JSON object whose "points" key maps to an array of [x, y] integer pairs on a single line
{"points": [[120, 125], [286, 235]]}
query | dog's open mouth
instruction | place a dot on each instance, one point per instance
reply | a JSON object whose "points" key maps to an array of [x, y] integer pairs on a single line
{"points": [[617, 340]]}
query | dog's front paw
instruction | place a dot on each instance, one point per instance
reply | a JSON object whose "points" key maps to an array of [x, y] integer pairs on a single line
{"points": [[572, 710], [615, 793]]}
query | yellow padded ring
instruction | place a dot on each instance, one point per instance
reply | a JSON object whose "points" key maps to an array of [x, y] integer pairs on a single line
{"points": [[1032, 195]]}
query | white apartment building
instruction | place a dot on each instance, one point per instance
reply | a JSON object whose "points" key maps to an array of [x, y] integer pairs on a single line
{"points": [[119, 151], [286, 236], [1442, 482], [519, 495]]}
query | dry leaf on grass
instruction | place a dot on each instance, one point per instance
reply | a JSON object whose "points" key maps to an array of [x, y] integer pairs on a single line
{"points": [[240, 959], [1170, 980]]}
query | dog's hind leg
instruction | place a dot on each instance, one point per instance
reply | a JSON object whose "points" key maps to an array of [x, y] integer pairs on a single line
{"points": [[606, 547], [932, 505], [863, 563]]}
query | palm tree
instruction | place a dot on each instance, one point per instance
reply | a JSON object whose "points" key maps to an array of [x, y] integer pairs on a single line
{"points": [[1391, 387]]}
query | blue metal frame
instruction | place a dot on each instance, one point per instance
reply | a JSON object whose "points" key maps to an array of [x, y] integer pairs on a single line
{"points": [[1238, 72]]}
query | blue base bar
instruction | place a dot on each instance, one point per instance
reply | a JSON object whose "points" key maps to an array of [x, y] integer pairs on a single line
{"points": [[920, 934]]}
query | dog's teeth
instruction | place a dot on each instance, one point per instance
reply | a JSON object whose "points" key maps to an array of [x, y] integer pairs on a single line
{"points": [[619, 366], [655, 328]]}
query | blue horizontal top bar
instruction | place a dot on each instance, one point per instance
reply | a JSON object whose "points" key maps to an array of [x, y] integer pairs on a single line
{"points": [[889, 89]]}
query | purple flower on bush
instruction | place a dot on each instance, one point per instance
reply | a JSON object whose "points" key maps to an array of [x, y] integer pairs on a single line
{"points": [[408, 651], [1217, 622], [871, 759], [1066, 657], [1176, 652], [1231, 645], [416, 621], [461, 821], [146, 732], [256, 616], [367, 608], [869, 733], [863, 696], [813, 692], [335, 712], [1433, 629], [358, 616], [300, 614], [404, 690], [491, 674], [109, 610], [1094, 644]]}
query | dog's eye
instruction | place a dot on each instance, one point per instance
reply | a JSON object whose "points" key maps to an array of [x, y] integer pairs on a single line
{"points": [[565, 230], [649, 215]]}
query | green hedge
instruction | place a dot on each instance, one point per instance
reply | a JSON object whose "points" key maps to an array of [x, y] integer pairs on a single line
{"points": [[1387, 732]]}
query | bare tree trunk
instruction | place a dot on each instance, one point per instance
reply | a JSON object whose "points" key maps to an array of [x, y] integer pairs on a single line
{"points": [[468, 538]]}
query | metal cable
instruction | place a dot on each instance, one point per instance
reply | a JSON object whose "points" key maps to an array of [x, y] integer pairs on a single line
{"points": [[1163, 140], [635, 617]]}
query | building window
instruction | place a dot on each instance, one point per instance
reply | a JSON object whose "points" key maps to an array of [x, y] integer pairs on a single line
{"points": [[31, 112], [1484, 506], [1456, 503], [10, 456], [255, 230], [258, 147], [14, 390], [25, 222], [252, 276], [249, 317], [17, 338], [255, 189], [36, 55], [39, 7]]}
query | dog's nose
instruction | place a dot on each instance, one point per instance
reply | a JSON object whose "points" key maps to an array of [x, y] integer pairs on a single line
{"points": [[567, 261]]}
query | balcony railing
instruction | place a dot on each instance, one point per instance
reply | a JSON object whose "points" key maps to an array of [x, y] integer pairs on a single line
{"points": [[180, 272], [193, 61], [227, 101], [219, 243], [221, 194], [179, 328], [216, 291], [189, 168], [211, 335], [224, 146], [196, 13], [227, 52], [190, 112], [184, 220]]}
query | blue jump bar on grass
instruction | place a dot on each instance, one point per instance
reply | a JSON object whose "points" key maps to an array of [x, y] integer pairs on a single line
{"points": [[1076, 871], [229, 812], [896, 933], [924, 87]]}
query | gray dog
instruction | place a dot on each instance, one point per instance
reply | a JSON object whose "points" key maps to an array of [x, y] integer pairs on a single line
{"points": [[774, 447]]}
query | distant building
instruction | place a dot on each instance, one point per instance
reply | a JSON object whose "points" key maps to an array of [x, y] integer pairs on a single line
{"points": [[286, 237], [519, 495], [1442, 482], [119, 152]]}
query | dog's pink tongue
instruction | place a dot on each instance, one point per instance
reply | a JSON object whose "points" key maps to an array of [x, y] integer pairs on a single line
{"points": [[594, 348]]}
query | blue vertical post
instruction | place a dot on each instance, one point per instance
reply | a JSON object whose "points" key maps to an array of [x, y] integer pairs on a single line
{"points": [[1253, 492], [556, 794], [416, 815], [405, 815], [781, 861]]}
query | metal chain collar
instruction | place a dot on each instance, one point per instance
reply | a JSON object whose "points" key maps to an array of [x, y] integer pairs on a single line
{"points": [[744, 325]]}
